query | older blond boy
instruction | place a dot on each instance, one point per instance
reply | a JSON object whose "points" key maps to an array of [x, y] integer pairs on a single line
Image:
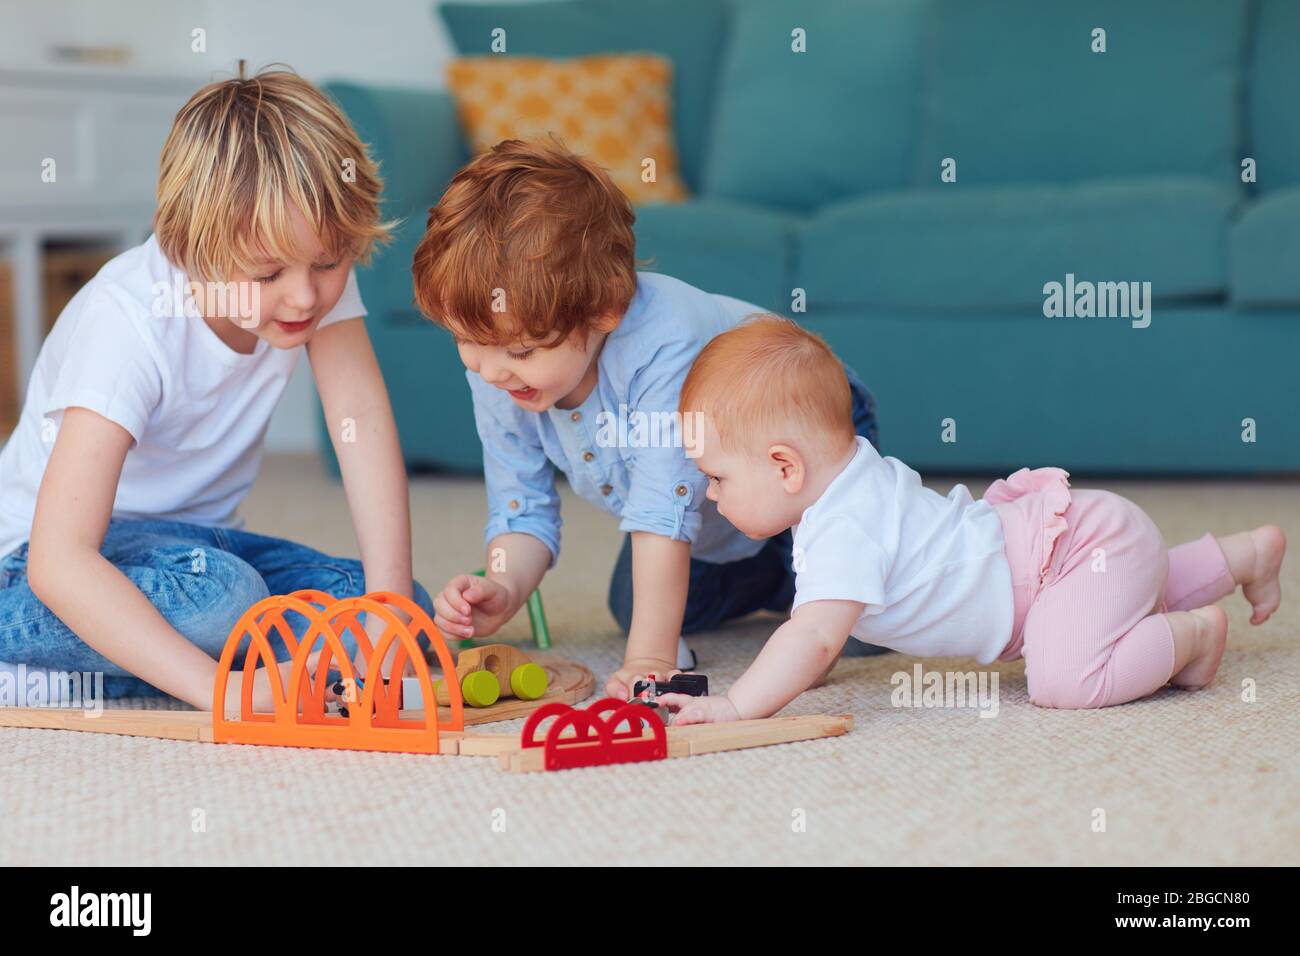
{"points": [[121, 549]]}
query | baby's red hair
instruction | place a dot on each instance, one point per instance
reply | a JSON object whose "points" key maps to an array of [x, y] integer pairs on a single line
{"points": [[769, 380]]}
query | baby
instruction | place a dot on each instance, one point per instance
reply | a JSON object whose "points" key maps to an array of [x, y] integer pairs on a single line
{"points": [[1079, 583]]}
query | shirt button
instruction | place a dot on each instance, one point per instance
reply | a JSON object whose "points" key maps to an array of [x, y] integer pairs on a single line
{"points": [[576, 416], [606, 489], [681, 490], [587, 456], [514, 504]]}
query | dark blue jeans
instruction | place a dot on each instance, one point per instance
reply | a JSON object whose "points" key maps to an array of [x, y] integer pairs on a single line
{"points": [[200, 579], [765, 582]]}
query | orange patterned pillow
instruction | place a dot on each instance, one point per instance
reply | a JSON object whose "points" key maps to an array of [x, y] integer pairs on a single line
{"points": [[616, 109]]}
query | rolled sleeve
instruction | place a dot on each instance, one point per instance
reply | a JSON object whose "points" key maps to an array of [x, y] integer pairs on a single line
{"points": [[665, 488], [520, 479], [663, 499]]}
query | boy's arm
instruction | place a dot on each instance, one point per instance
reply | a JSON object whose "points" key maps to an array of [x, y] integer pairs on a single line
{"points": [[352, 389], [518, 561], [801, 650], [471, 606], [92, 597], [661, 513], [661, 575], [523, 521]]}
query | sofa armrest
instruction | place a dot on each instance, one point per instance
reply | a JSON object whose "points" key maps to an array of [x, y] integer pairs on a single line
{"points": [[413, 134], [415, 137]]}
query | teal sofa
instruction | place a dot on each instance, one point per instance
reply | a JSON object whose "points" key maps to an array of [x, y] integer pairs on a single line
{"points": [[818, 175]]}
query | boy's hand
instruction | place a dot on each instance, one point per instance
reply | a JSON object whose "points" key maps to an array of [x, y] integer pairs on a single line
{"points": [[699, 710], [263, 700], [620, 683], [471, 606]]}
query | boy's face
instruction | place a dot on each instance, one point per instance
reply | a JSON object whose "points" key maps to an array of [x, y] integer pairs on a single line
{"points": [[757, 494], [291, 296], [538, 378]]}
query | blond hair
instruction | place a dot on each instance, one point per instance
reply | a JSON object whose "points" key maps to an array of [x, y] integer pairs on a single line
{"points": [[767, 380], [241, 156]]}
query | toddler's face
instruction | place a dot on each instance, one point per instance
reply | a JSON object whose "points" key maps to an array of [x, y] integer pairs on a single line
{"points": [[751, 491], [288, 297], [537, 377]]}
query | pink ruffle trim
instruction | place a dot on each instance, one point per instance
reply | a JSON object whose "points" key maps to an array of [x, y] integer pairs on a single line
{"points": [[1054, 485]]}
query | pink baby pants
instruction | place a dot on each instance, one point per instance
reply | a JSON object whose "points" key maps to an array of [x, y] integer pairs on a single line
{"points": [[1091, 579]]}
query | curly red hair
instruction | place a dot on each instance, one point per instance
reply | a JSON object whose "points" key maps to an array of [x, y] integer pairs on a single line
{"points": [[529, 242]]}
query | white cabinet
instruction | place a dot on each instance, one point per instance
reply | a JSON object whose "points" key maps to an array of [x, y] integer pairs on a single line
{"points": [[103, 134]]}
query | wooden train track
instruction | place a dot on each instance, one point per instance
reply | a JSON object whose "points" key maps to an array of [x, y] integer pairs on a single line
{"points": [[195, 726]]}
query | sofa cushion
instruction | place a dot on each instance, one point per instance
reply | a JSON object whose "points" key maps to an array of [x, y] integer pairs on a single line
{"points": [[1274, 134], [1165, 399], [1015, 93], [802, 129], [613, 108], [1264, 251], [720, 246], [688, 32], [988, 246]]}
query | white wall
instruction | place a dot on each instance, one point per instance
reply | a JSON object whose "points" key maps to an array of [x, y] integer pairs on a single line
{"points": [[392, 42], [383, 42]]}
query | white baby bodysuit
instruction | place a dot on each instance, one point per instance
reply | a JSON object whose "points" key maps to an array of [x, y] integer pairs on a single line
{"points": [[932, 571]]}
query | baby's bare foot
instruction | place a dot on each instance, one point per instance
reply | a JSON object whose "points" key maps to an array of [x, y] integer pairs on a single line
{"points": [[1262, 589], [1209, 631]]}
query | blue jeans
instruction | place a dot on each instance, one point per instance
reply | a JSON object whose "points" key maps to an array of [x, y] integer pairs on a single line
{"points": [[764, 582], [200, 579]]}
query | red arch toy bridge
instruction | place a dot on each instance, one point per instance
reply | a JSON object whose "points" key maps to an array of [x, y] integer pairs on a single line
{"points": [[299, 718], [594, 737]]}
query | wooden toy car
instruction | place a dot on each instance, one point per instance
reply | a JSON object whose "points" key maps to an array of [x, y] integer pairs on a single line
{"points": [[647, 692], [696, 685], [493, 671]]}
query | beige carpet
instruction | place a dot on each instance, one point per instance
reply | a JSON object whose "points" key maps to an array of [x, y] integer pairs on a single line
{"points": [[1181, 778]]}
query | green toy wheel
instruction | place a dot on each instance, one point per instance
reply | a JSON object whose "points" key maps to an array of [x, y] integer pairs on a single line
{"points": [[528, 681], [480, 688]]}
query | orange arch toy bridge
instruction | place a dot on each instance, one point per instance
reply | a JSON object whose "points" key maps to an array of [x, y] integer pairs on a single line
{"points": [[300, 718]]}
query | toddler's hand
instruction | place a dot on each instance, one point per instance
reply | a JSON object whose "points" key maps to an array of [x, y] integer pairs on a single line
{"points": [[620, 683], [699, 710], [471, 606]]}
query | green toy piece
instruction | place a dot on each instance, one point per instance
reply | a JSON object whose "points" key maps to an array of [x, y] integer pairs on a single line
{"points": [[536, 620]]}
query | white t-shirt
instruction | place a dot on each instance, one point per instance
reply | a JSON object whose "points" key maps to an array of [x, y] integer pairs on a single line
{"points": [[932, 571], [198, 410]]}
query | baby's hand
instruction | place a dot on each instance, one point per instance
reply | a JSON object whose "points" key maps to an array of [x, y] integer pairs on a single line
{"points": [[471, 606], [699, 710]]}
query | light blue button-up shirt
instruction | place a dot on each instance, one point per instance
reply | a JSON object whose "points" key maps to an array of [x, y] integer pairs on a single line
{"points": [[622, 449]]}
